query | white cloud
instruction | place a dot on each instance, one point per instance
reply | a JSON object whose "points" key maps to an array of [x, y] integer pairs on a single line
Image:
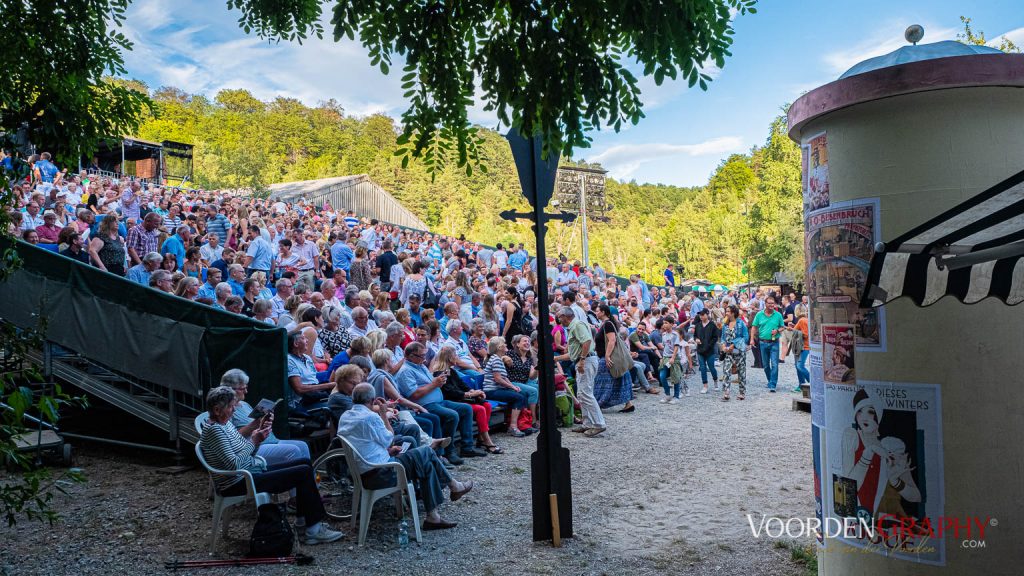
{"points": [[624, 159], [1016, 36], [887, 39], [212, 54]]}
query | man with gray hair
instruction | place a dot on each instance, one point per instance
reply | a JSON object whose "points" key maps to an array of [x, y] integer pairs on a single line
{"points": [[395, 332], [162, 280], [362, 324], [581, 352], [272, 449], [367, 427], [141, 272], [222, 292], [465, 361]]}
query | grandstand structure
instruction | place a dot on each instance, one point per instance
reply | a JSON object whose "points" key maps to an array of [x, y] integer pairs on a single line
{"points": [[358, 193]]}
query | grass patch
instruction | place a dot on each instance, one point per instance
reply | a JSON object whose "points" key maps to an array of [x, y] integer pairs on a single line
{"points": [[518, 470], [802, 555]]}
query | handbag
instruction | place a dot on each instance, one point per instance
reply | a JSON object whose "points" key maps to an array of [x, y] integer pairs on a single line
{"points": [[621, 360], [429, 296]]}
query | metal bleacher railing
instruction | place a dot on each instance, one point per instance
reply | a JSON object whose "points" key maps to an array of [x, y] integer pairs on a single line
{"points": [[150, 354]]}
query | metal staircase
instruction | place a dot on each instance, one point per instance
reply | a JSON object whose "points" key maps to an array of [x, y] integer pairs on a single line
{"points": [[169, 410]]}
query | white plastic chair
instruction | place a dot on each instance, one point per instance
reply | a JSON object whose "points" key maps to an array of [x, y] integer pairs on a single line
{"points": [[223, 504], [363, 499]]}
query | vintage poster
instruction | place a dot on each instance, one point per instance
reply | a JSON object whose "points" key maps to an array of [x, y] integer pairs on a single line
{"points": [[819, 506], [814, 366], [837, 355], [839, 244], [815, 160], [883, 467]]}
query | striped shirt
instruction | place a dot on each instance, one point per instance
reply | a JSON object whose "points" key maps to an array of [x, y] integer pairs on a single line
{"points": [[225, 449], [351, 221], [171, 224], [494, 364], [219, 225]]}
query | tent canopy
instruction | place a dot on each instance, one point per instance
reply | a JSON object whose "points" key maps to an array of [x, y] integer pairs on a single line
{"points": [[971, 251]]}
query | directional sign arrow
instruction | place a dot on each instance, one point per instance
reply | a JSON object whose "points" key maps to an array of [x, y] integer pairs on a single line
{"points": [[512, 216]]}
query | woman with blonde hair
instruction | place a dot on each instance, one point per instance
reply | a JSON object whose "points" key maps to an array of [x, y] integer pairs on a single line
{"points": [[498, 387], [187, 287], [376, 338], [455, 390]]}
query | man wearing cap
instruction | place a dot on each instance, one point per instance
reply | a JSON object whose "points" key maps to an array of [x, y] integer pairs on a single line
{"points": [[581, 352], [49, 231]]}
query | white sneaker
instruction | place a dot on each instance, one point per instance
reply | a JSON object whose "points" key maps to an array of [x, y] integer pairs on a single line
{"points": [[322, 534], [704, 390], [665, 399], [686, 392], [717, 387], [673, 401]]}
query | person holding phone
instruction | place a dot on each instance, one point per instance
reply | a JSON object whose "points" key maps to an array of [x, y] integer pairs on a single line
{"points": [[272, 449]]}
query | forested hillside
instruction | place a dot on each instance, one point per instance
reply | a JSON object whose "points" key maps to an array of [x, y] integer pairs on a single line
{"points": [[749, 210]]}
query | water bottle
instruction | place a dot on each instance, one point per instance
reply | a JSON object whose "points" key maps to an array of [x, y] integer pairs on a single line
{"points": [[403, 534]]}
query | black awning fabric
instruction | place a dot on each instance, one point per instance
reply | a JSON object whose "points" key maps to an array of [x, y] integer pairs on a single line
{"points": [[972, 251]]}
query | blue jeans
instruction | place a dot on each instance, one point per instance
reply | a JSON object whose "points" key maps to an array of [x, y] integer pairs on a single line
{"points": [[455, 415], [663, 379], [531, 389], [707, 364], [802, 373], [770, 360]]}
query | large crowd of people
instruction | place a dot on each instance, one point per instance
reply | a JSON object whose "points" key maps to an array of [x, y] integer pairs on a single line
{"points": [[405, 336]]}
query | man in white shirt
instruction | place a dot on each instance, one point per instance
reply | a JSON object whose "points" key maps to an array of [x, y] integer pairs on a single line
{"points": [[31, 219], [465, 360], [212, 250], [500, 258], [362, 324], [566, 276], [368, 428]]}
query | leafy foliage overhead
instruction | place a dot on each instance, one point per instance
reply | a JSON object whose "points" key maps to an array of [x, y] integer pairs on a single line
{"points": [[56, 55], [551, 67]]}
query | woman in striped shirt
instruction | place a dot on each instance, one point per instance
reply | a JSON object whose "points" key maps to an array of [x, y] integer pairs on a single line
{"points": [[498, 387], [225, 448]]}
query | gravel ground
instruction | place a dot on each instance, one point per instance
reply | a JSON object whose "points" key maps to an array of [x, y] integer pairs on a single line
{"points": [[665, 490]]}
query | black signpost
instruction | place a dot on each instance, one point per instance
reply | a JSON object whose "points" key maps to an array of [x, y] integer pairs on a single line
{"points": [[549, 465]]}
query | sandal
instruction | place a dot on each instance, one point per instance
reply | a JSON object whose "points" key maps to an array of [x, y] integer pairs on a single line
{"points": [[492, 449], [740, 397]]}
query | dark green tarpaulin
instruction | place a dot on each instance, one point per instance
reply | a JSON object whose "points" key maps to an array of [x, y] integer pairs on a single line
{"points": [[140, 331]]}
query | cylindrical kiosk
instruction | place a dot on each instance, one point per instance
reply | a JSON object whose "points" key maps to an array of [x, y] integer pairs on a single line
{"points": [[917, 405]]}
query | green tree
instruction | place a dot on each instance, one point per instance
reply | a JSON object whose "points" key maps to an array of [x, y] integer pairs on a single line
{"points": [[969, 36], [549, 67], [56, 56]]}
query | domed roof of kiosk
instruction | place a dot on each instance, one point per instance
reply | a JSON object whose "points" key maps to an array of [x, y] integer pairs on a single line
{"points": [[917, 53]]}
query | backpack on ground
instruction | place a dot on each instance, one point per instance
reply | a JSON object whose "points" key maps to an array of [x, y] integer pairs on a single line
{"points": [[272, 536]]}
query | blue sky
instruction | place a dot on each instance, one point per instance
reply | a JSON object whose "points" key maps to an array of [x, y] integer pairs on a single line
{"points": [[785, 49]]}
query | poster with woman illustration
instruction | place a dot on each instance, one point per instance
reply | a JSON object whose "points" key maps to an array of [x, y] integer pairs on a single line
{"points": [[815, 173], [883, 466], [839, 246], [837, 357]]}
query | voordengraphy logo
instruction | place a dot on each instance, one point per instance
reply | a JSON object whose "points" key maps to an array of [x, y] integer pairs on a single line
{"points": [[890, 530]]}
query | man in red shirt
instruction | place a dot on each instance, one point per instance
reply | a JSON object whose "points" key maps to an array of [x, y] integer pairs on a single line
{"points": [[49, 231]]}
